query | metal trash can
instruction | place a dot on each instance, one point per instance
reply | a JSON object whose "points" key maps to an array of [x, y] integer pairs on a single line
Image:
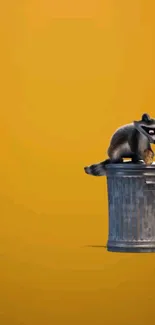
{"points": [[131, 196]]}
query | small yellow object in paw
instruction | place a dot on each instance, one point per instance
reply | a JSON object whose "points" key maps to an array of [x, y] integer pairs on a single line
{"points": [[148, 157]]}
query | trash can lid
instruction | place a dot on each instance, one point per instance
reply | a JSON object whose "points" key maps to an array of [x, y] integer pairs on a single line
{"points": [[128, 167]]}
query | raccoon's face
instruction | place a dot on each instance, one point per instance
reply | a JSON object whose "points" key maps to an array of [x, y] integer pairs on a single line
{"points": [[147, 127]]}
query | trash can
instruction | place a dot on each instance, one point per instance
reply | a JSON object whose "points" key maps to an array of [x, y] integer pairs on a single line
{"points": [[131, 198]]}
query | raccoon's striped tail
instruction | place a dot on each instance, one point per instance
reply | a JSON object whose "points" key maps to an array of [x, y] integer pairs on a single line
{"points": [[97, 169]]}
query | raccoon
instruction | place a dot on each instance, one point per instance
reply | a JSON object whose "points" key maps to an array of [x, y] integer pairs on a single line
{"points": [[129, 141]]}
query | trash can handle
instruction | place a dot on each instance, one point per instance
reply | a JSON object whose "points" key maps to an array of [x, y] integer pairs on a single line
{"points": [[149, 182], [149, 174]]}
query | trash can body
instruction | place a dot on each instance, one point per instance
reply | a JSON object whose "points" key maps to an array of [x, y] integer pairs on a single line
{"points": [[131, 197]]}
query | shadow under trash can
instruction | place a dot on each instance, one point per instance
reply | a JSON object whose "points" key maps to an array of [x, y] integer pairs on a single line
{"points": [[131, 196]]}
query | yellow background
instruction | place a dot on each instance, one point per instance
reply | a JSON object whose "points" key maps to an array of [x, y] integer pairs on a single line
{"points": [[72, 71]]}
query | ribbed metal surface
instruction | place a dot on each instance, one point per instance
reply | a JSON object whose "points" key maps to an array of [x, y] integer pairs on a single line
{"points": [[131, 194]]}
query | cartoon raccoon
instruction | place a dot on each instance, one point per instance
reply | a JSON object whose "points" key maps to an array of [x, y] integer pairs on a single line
{"points": [[129, 141]]}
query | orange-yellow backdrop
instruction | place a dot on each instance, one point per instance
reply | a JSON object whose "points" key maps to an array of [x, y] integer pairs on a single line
{"points": [[71, 72]]}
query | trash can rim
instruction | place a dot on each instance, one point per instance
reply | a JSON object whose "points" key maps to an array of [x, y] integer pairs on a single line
{"points": [[129, 165]]}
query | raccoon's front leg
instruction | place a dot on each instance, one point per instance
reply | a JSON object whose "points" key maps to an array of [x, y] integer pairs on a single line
{"points": [[136, 158]]}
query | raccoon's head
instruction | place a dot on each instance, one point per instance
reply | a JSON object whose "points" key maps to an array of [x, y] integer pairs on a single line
{"points": [[146, 126]]}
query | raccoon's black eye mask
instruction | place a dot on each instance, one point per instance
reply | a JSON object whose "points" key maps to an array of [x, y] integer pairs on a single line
{"points": [[149, 130]]}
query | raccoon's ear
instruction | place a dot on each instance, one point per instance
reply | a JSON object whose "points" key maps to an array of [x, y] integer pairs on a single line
{"points": [[145, 117]]}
